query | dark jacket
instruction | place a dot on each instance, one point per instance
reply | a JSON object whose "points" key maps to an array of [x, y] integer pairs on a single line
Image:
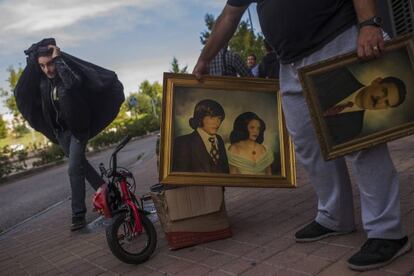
{"points": [[89, 96], [190, 155], [332, 87], [269, 66], [66, 109]]}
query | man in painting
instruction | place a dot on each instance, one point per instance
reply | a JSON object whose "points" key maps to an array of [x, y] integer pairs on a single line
{"points": [[202, 150], [304, 33], [344, 106]]}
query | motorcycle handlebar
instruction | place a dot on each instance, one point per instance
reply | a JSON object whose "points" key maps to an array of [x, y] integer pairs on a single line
{"points": [[123, 143], [118, 148]]}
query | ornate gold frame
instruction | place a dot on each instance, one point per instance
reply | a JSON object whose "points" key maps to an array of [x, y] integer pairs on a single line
{"points": [[329, 150], [287, 178]]}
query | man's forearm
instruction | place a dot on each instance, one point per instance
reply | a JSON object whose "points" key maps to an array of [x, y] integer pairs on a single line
{"points": [[370, 41], [365, 9], [222, 32]]}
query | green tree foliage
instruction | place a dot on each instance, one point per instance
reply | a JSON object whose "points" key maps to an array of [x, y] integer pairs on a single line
{"points": [[209, 20], [10, 101], [19, 127], [144, 116], [243, 42], [148, 100], [12, 161], [50, 154], [143, 104], [154, 92], [3, 128], [175, 67]]}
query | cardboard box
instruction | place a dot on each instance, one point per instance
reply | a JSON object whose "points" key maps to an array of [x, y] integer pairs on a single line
{"points": [[192, 215]]}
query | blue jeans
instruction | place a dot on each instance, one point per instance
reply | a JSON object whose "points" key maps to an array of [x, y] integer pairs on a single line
{"points": [[79, 169]]}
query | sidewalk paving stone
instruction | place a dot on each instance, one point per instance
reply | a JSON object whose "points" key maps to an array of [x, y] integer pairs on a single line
{"points": [[238, 266], [192, 254], [331, 252], [216, 273], [176, 267], [263, 270], [217, 260], [377, 273], [310, 264], [263, 222], [194, 270], [289, 272], [339, 268]]}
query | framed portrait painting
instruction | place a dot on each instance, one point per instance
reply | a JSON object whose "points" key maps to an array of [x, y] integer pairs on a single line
{"points": [[358, 104], [224, 131]]}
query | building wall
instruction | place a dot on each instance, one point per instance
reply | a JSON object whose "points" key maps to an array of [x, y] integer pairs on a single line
{"points": [[398, 16]]}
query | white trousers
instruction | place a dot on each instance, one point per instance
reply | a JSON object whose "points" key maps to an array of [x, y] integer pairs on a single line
{"points": [[373, 169]]}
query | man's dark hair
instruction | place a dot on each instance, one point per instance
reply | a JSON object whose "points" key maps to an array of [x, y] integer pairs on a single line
{"points": [[205, 108], [44, 52], [240, 131], [40, 49], [402, 90], [252, 55]]}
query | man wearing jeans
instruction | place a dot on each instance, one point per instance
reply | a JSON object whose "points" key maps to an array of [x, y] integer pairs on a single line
{"points": [[303, 33], [60, 100]]}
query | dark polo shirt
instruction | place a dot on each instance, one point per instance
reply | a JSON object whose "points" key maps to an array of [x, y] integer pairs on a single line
{"points": [[297, 28]]}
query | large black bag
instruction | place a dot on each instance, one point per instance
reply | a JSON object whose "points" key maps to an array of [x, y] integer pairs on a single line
{"points": [[101, 95]]}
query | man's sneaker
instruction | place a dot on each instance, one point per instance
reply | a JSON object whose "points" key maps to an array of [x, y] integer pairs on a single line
{"points": [[77, 223], [314, 232], [376, 253]]}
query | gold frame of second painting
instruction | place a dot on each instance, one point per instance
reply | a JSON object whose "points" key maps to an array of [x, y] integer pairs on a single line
{"points": [[334, 151], [287, 177]]}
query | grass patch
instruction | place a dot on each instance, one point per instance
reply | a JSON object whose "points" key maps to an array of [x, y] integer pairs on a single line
{"points": [[25, 140]]}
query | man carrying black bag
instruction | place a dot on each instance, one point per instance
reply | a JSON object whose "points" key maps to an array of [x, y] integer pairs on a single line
{"points": [[70, 101]]}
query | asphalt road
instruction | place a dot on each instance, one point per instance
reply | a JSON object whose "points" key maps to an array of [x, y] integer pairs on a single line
{"points": [[25, 197]]}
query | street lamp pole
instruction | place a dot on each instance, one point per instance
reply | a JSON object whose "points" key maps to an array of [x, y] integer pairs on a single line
{"points": [[250, 19]]}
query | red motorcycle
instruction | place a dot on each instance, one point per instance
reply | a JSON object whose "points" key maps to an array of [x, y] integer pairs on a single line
{"points": [[131, 236]]}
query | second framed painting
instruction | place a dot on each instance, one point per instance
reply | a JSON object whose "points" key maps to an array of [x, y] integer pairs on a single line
{"points": [[224, 131], [359, 104]]}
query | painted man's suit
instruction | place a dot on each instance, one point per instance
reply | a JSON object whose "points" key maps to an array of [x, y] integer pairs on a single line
{"points": [[190, 155], [344, 126]]}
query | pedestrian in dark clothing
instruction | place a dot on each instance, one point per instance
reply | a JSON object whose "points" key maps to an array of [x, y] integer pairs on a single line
{"points": [[269, 66], [69, 101]]}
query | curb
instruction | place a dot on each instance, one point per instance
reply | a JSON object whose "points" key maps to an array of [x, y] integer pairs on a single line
{"points": [[7, 179]]}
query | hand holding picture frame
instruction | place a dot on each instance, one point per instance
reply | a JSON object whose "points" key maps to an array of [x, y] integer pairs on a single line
{"points": [[357, 104], [224, 131]]}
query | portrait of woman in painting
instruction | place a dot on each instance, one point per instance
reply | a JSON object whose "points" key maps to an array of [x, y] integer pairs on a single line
{"points": [[246, 153]]}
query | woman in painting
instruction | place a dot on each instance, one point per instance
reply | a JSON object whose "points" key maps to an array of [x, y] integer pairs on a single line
{"points": [[247, 154]]}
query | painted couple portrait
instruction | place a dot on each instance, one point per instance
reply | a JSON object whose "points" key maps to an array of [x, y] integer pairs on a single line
{"points": [[224, 131], [205, 150]]}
